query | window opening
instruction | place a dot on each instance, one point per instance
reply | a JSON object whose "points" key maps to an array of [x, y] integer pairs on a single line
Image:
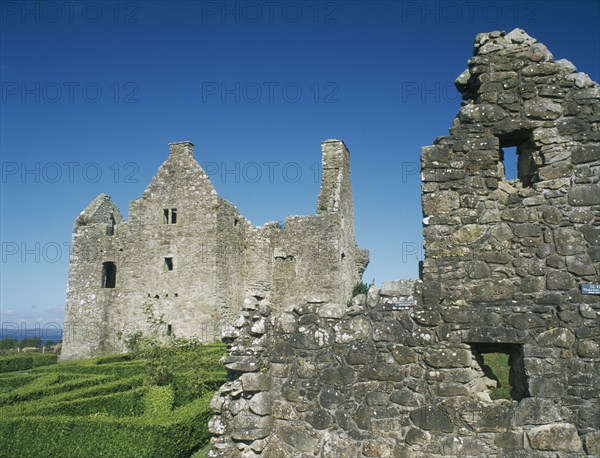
{"points": [[509, 161], [505, 364], [518, 158], [170, 216], [110, 230], [109, 274]]}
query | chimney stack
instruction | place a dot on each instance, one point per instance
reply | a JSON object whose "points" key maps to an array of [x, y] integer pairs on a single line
{"points": [[181, 149]]}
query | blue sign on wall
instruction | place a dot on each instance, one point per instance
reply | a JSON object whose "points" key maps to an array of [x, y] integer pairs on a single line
{"points": [[590, 288]]}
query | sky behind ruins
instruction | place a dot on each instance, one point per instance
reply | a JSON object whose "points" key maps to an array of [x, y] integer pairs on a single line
{"points": [[92, 93]]}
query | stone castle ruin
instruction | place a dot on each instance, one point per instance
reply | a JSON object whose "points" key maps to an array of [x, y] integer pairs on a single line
{"points": [[188, 256], [511, 266]]}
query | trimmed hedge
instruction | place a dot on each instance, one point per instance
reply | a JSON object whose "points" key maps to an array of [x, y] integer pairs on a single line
{"points": [[128, 403], [159, 400], [50, 384], [171, 435], [9, 381], [15, 363], [111, 359], [44, 359], [122, 369], [113, 387], [191, 370], [25, 361], [156, 406]]}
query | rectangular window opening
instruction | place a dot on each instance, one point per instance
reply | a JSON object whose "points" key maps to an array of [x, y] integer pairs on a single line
{"points": [[170, 216], [109, 274], [518, 158], [168, 264], [169, 330], [505, 364], [508, 156]]}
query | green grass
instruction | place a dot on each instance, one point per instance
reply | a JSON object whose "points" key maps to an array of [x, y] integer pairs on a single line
{"points": [[499, 364], [116, 405]]}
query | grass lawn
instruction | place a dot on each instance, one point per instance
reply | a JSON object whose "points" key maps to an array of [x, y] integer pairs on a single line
{"points": [[499, 364]]}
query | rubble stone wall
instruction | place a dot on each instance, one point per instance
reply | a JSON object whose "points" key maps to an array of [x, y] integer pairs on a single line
{"points": [[532, 239], [402, 371], [383, 379]]}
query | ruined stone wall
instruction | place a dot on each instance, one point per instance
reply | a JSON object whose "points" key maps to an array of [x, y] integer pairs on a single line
{"points": [[533, 239], [230, 260], [317, 254], [90, 243], [184, 296], [380, 379], [259, 259], [402, 372], [336, 198], [187, 258], [304, 264]]}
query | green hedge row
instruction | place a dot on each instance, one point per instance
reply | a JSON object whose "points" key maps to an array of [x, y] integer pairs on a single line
{"points": [[128, 403], [109, 359], [159, 400], [48, 384], [25, 361], [107, 388], [19, 380], [11, 380], [166, 435], [119, 369]]}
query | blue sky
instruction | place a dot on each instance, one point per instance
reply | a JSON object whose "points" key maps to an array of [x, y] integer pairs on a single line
{"points": [[92, 93]]}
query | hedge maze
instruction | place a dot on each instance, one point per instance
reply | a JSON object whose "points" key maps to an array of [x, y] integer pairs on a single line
{"points": [[110, 406]]}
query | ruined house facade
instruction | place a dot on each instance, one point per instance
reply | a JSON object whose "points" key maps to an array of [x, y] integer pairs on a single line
{"points": [[510, 267], [186, 258]]}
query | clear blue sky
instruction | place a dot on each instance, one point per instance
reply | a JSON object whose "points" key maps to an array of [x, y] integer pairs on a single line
{"points": [[92, 93]]}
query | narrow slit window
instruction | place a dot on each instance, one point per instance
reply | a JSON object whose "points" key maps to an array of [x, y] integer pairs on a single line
{"points": [[168, 264], [173, 216], [166, 216], [169, 330], [109, 274], [110, 230]]}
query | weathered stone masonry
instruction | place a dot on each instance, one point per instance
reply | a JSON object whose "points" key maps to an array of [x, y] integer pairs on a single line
{"points": [[504, 261], [534, 239], [187, 254]]}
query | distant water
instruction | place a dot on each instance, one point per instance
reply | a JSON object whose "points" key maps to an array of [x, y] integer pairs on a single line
{"points": [[53, 332]]}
